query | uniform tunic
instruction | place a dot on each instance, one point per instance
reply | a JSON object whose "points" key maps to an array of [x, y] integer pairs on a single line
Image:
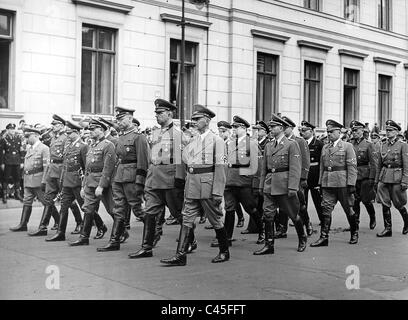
{"points": [[11, 155]]}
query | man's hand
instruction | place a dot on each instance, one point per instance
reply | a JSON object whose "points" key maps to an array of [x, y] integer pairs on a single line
{"points": [[217, 199], [303, 183], [3, 166], [179, 183], [351, 189], [21, 165], [404, 186], [292, 193], [98, 191], [82, 193]]}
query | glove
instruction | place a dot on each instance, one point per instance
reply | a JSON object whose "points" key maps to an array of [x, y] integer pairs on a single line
{"points": [[179, 183], [292, 193], [351, 189], [371, 183], [21, 165], [319, 189], [217, 199], [303, 183], [98, 191], [404, 186], [82, 193], [43, 186]]}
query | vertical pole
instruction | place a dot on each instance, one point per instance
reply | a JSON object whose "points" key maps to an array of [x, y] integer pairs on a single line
{"points": [[181, 80]]}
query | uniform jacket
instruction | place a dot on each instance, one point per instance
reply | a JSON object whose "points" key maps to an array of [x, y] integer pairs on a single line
{"points": [[392, 165], [112, 139], [263, 143], [36, 159], [204, 153], [11, 152], [366, 159], [74, 163], [315, 149], [56, 156], [132, 151], [242, 162], [338, 166], [166, 163], [284, 163], [305, 154], [100, 163]]}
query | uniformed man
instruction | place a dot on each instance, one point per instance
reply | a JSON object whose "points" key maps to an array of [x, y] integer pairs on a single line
{"points": [[338, 176], [129, 179], [108, 133], [96, 185], [35, 167], [315, 149], [53, 175], [366, 167], [281, 172], [205, 184], [305, 157], [376, 141], [242, 163], [11, 160], [392, 178], [165, 178], [73, 167]]}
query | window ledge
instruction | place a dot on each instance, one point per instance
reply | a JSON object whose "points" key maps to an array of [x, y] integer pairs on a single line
{"points": [[123, 6], [7, 113], [166, 17], [314, 45], [268, 35], [386, 61], [355, 54]]}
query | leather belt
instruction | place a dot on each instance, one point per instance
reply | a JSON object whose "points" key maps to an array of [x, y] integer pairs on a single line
{"points": [[238, 165], [273, 170], [33, 171], [312, 164], [93, 170], [393, 166], [56, 160], [73, 169], [338, 168], [193, 170], [360, 164], [126, 161]]}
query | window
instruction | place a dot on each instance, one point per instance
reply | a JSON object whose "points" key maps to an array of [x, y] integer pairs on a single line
{"points": [[384, 98], [312, 4], [352, 10], [98, 69], [266, 86], [6, 37], [351, 95], [384, 14], [312, 92], [190, 76]]}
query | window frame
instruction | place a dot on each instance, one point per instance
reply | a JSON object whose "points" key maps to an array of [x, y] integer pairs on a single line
{"points": [[10, 40], [356, 14], [381, 115], [356, 107], [307, 5], [380, 14], [306, 108]]}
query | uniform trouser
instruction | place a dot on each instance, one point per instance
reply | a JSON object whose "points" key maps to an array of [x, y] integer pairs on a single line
{"points": [[52, 187], [304, 215], [68, 196], [91, 205], [364, 194], [97, 218], [290, 205], [126, 195], [30, 194], [330, 198], [391, 192], [192, 208], [233, 197], [158, 199], [317, 200]]}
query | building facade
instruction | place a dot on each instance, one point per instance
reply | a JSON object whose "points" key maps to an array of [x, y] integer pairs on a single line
{"points": [[307, 59]]}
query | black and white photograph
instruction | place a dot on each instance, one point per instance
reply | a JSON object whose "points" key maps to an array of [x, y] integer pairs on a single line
{"points": [[197, 156]]}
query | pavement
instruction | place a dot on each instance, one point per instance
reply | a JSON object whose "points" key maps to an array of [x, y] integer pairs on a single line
{"points": [[29, 265]]}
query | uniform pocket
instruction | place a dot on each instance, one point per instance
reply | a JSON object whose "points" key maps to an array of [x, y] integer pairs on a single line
{"points": [[397, 175], [206, 186]]}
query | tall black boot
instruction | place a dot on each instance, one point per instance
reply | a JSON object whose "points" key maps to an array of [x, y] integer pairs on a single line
{"points": [[192, 242], [371, 213], [180, 258], [269, 240], [62, 226], [114, 242], [259, 225], [102, 229], [323, 241], [356, 209], [77, 216], [387, 232], [281, 219], [4, 193], [223, 254], [404, 215], [301, 234], [45, 219], [353, 227], [25, 216], [17, 192], [229, 222], [83, 239], [56, 216], [148, 239], [306, 220]]}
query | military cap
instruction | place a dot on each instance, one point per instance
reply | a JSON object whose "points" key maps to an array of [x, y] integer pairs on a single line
{"points": [[136, 122], [277, 121], [391, 124], [201, 111], [73, 126], [57, 119], [94, 123], [11, 126], [163, 105], [224, 125], [289, 121], [237, 120], [108, 122], [29, 130], [120, 112], [356, 124], [261, 125], [374, 135], [307, 125], [333, 125]]}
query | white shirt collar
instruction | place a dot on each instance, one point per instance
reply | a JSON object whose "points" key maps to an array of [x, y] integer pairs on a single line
{"points": [[262, 140], [35, 144], [280, 138], [309, 141], [242, 138], [203, 135], [336, 142]]}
